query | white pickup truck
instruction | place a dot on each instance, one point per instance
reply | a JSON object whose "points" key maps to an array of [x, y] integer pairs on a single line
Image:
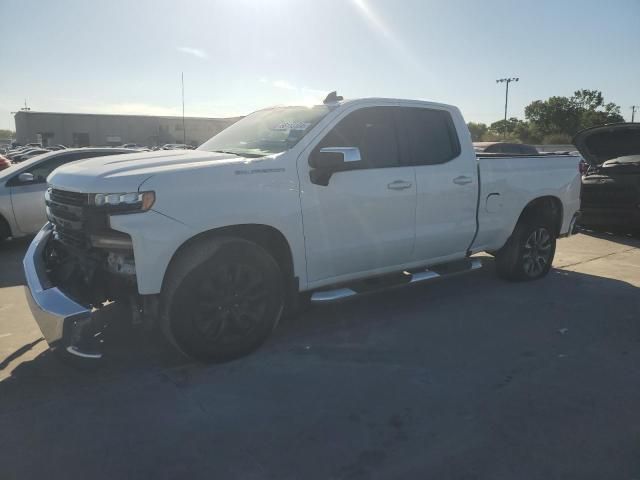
{"points": [[322, 202]]}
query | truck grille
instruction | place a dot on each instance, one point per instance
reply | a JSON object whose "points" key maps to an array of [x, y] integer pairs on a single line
{"points": [[73, 219], [69, 198]]}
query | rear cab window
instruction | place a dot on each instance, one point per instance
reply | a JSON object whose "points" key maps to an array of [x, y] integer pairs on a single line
{"points": [[430, 137]]}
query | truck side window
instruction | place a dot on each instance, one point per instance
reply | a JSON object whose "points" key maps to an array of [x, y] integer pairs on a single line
{"points": [[431, 135], [373, 131]]}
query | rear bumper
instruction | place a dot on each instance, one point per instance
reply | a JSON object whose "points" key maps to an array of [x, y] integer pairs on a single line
{"points": [[54, 311], [611, 217]]}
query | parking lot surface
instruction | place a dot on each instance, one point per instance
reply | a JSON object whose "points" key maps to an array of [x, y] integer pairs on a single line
{"points": [[469, 377]]}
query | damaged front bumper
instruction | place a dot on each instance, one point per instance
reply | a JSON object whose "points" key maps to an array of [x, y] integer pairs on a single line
{"points": [[60, 318]]}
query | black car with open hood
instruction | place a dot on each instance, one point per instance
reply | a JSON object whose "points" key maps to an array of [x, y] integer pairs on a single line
{"points": [[611, 185]]}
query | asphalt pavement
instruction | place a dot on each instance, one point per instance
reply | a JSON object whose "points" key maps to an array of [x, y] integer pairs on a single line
{"points": [[468, 377]]}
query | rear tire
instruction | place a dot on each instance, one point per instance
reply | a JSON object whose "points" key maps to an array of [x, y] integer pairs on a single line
{"points": [[529, 252], [222, 299]]}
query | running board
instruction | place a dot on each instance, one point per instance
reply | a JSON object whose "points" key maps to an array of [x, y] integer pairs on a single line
{"points": [[404, 278]]}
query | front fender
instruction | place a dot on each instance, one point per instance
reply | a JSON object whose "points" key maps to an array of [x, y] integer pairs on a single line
{"points": [[155, 239], [264, 192]]}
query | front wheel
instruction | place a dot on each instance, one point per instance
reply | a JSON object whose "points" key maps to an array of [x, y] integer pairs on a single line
{"points": [[222, 299], [528, 254]]}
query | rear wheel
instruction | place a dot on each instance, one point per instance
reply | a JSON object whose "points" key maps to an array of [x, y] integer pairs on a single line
{"points": [[222, 299], [529, 253]]}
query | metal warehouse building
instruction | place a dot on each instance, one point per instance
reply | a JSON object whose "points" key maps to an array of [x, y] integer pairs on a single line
{"points": [[83, 129]]}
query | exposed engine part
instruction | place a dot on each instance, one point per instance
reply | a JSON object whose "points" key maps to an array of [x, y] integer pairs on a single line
{"points": [[121, 263]]}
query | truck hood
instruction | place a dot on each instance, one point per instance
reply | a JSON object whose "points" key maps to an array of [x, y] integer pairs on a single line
{"points": [[599, 144], [125, 173]]}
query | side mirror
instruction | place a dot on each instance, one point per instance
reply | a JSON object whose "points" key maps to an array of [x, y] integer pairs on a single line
{"points": [[326, 161], [26, 177], [334, 158]]}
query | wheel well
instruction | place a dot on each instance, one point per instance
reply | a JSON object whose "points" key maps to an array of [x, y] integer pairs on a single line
{"points": [[547, 209], [269, 238]]}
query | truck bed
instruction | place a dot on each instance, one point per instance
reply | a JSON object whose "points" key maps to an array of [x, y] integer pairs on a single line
{"points": [[509, 182]]}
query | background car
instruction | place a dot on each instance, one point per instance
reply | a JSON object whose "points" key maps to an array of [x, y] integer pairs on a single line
{"points": [[505, 147], [177, 146], [133, 145], [28, 154], [22, 188], [4, 162]]}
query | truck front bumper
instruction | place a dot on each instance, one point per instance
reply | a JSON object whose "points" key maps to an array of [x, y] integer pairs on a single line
{"points": [[58, 316]]}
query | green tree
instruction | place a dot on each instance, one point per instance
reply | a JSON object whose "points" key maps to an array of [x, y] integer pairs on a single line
{"points": [[568, 115], [6, 134], [477, 130], [506, 127]]}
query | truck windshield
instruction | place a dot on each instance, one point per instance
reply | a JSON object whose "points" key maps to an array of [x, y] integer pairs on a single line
{"points": [[265, 132]]}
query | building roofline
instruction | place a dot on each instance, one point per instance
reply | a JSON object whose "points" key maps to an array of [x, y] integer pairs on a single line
{"points": [[168, 117]]}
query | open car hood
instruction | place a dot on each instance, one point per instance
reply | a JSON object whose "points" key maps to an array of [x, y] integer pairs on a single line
{"points": [[599, 144]]}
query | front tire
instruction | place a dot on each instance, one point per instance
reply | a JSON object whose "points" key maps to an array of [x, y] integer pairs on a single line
{"points": [[222, 299], [529, 252]]}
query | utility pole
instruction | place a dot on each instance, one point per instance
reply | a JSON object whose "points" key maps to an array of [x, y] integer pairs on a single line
{"points": [[184, 131], [633, 112], [506, 98]]}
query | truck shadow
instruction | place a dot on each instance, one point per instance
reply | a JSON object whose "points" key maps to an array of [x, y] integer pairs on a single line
{"points": [[628, 239], [476, 305], [11, 255]]}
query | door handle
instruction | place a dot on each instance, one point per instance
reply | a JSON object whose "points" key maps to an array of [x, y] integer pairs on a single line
{"points": [[399, 185], [462, 180]]}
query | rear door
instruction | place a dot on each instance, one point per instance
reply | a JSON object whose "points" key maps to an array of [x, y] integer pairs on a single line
{"points": [[446, 182], [364, 218]]}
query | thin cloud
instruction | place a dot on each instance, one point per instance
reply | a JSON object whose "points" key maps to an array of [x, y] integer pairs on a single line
{"points": [[305, 95], [283, 84], [196, 52], [289, 86], [133, 108]]}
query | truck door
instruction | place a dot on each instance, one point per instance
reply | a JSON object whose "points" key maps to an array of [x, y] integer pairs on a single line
{"points": [[446, 182], [363, 218]]}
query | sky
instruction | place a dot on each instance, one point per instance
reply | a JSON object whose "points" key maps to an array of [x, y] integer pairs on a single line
{"points": [[126, 56]]}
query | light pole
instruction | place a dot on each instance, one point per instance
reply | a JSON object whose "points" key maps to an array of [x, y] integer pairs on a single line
{"points": [[184, 131], [506, 98]]}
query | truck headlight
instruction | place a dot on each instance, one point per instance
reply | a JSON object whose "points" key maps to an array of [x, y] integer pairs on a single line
{"points": [[123, 202]]}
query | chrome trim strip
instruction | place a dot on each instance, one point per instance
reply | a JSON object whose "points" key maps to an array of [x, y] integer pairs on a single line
{"points": [[422, 276], [50, 307], [476, 263], [332, 295], [340, 293], [77, 353], [349, 154]]}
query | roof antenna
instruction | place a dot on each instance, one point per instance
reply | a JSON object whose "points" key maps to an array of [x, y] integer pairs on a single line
{"points": [[333, 97]]}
